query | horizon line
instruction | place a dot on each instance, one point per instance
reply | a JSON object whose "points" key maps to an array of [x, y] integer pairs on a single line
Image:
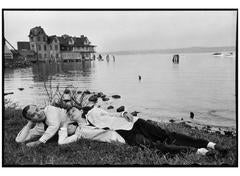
{"points": [[137, 50]]}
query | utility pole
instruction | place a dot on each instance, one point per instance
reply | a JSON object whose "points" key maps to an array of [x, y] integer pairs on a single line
{"points": [[37, 50], [10, 45]]}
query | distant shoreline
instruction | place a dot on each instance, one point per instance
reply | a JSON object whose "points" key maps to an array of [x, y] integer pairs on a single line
{"points": [[172, 51]]}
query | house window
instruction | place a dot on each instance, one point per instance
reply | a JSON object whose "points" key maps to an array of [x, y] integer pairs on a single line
{"points": [[56, 47], [38, 38], [39, 47], [50, 47], [39, 56], [45, 47], [45, 55], [56, 55]]}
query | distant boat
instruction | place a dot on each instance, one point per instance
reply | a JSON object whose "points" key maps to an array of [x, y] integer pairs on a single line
{"points": [[218, 54], [230, 54]]}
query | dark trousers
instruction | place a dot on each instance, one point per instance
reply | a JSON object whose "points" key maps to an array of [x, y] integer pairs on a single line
{"points": [[150, 135]]}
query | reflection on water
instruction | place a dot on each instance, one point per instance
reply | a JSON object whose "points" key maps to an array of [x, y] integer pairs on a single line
{"points": [[43, 71], [200, 83]]}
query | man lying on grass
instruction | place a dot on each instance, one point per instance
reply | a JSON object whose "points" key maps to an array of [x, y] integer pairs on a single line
{"points": [[125, 128], [46, 123]]}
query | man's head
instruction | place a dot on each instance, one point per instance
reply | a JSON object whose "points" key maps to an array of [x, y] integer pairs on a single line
{"points": [[33, 113], [74, 114]]}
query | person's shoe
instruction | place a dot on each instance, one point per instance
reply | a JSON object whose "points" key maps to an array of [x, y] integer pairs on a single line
{"points": [[211, 145], [202, 151]]}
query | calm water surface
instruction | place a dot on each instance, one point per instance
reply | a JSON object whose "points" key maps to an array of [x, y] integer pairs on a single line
{"points": [[201, 83]]}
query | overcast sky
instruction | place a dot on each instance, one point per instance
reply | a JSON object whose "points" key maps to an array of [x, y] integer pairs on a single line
{"points": [[129, 30]]}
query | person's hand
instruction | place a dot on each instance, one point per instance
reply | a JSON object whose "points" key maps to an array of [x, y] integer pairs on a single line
{"points": [[128, 116], [30, 124], [33, 144]]}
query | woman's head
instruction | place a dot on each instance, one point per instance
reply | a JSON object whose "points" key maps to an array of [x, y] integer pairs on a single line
{"points": [[74, 114]]}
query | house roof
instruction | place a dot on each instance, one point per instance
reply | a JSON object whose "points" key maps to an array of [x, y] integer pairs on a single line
{"points": [[79, 41], [36, 31], [23, 45], [51, 38], [63, 40]]}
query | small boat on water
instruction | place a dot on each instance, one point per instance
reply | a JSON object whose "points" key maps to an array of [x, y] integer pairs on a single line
{"points": [[226, 54], [218, 54], [230, 54]]}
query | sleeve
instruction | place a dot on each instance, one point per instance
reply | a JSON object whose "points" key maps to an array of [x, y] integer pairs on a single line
{"points": [[27, 133], [50, 131], [63, 137], [53, 123]]}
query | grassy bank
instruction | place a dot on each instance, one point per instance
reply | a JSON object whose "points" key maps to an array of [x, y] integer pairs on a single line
{"points": [[86, 152]]}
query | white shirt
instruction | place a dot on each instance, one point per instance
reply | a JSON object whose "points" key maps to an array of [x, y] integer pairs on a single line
{"points": [[89, 132], [54, 117], [114, 121]]}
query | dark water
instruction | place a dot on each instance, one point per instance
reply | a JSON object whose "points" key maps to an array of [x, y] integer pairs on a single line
{"points": [[201, 83]]}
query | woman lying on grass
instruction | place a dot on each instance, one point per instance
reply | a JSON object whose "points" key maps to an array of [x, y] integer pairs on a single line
{"points": [[97, 124]]}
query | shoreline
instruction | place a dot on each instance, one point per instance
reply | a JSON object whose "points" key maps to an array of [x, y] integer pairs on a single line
{"points": [[229, 131], [100, 102]]}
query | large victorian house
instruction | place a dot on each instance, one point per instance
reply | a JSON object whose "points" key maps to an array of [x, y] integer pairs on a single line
{"points": [[59, 48]]}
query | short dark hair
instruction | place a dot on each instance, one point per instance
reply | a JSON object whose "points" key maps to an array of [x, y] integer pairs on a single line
{"points": [[24, 112], [84, 109]]}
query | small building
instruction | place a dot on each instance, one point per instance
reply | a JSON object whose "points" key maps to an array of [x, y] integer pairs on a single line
{"points": [[8, 55], [21, 46], [25, 53], [75, 48], [83, 46], [66, 49], [59, 48]]}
